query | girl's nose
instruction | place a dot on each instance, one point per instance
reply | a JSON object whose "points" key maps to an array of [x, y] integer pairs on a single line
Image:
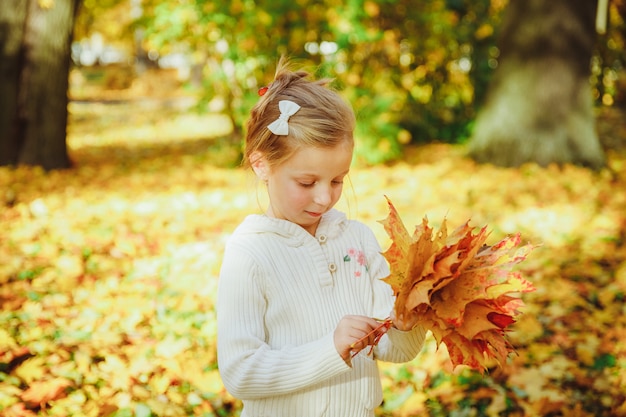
{"points": [[322, 195]]}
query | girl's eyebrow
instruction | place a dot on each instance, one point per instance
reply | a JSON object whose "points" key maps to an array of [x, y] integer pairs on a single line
{"points": [[311, 174], [343, 174]]}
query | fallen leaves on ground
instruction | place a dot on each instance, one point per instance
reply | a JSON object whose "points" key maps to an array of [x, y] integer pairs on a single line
{"points": [[108, 274]]}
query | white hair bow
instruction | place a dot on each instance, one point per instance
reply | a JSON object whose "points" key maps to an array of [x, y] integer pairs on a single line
{"points": [[287, 109]]}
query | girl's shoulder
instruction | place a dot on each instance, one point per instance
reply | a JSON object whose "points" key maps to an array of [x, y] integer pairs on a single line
{"points": [[262, 231]]}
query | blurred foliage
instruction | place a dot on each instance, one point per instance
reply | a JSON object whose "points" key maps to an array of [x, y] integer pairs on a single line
{"points": [[108, 272], [608, 65], [112, 19], [415, 72]]}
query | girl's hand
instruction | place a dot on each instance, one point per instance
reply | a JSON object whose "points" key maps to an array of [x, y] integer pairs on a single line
{"points": [[350, 331], [405, 321]]}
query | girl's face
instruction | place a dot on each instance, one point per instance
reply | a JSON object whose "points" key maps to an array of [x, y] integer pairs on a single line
{"points": [[308, 184]]}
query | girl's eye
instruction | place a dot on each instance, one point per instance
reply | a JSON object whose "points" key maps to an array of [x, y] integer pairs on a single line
{"points": [[311, 184]]}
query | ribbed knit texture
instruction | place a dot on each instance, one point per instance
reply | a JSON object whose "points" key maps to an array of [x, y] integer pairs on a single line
{"points": [[282, 293]]}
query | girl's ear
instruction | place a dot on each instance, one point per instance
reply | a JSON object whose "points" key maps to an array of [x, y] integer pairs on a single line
{"points": [[259, 165]]}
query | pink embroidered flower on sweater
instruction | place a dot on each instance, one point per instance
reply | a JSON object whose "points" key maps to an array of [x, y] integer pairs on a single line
{"points": [[359, 256]]}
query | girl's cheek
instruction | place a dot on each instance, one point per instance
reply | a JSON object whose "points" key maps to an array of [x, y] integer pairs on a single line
{"points": [[337, 194]]}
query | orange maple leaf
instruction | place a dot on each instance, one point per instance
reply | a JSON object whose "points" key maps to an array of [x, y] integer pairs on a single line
{"points": [[42, 392], [18, 410], [463, 289]]}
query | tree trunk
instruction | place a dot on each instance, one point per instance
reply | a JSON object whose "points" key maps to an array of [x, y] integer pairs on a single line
{"points": [[539, 107], [35, 37]]}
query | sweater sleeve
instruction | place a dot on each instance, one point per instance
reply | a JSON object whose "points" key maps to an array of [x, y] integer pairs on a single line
{"points": [[395, 346], [249, 367]]}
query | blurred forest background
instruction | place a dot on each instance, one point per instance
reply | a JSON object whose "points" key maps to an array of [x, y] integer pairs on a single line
{"points": [[120, 134]]}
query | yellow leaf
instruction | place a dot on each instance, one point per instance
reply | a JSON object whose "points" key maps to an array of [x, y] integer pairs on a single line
{"points": [[395, 229], [6, 341], [160, 383], [116, 369], [498, 405], [170, 347], [587, 349], [41, 392], [526, 329], [176, 397], [32, 369], [9, 390], [484, 31], [70, 266], [18, 410], [46, 4], [207, 381], [415, 405]]}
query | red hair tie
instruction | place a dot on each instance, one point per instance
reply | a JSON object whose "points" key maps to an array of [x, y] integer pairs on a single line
{"points": [[263, 90]]}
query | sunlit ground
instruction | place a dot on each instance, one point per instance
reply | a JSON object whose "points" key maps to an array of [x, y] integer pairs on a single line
{"points": [[108, 272]]}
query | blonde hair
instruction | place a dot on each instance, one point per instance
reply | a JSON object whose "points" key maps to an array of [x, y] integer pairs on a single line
{"points": [[324, 119]]}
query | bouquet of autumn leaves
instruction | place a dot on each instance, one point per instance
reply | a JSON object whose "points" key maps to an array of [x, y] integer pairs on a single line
{"points": [[463, 290]]}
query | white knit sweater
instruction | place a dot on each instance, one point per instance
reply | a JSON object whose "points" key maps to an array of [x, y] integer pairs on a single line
{"points": [[281, 294]]}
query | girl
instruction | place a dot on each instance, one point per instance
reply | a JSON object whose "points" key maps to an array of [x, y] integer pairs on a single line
{"points": [[300, 285]]}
